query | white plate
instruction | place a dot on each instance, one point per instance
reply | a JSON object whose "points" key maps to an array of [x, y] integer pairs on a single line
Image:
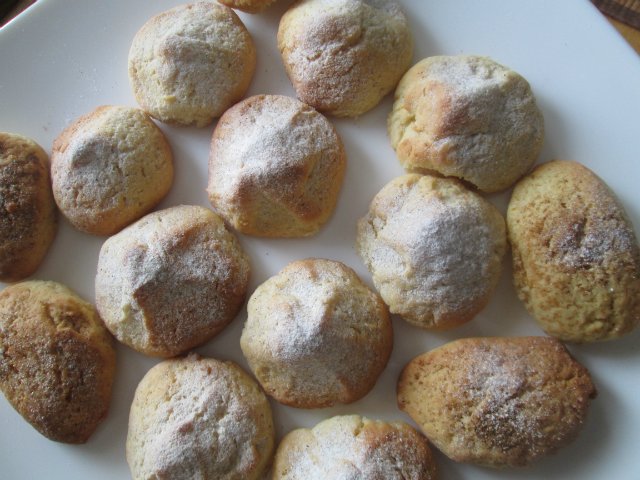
{"points": [[62, 58]]}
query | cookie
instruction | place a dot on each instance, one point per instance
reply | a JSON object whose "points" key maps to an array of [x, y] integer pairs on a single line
{"points": [[466, 117], [189, 64], [275, 168], [576, 260], [343, 56], [28, 221], [354, 447], [199, 418], [109, 168], [434, 249], [57, 361], [171, 281], [497, 401], [315, 335]]}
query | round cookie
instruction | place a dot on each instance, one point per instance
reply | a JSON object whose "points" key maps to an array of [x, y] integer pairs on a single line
{"points": [[343, 56], [189, 64], [466, 117], [576, 260], [199, 418], [109, 168], [275, 168], [316, 335], [348, 447], [28, 222], [171, 281], [434, 249], [248, 6], [497, 401], [57, 361]]}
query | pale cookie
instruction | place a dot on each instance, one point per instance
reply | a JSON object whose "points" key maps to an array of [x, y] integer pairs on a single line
{"points": [[353, 447], [576, 260], [189, 64], [315, 335], [199, 418], [434, 249], [275, 168], [343, 56], [497, 401], [109, 168], [27, 209], [466, 117], [57, 361], [171, 281]]}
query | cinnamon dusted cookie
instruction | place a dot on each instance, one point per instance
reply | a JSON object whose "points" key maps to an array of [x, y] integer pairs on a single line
{"points": [[576, 260], [57, 360], [497, 401], [343, 56], [28, 212]]}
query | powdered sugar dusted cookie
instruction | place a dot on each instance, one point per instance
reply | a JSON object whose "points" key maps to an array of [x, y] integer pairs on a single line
{"points": [[434, 249], [275, 168], [189, 64], [351, 446], [343, 56], [316, 335], [171, 281], [109, 168], [466, 117], [199, 418]]}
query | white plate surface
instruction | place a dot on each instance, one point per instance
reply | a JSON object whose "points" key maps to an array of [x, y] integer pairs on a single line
{"points": [[62, 58]]}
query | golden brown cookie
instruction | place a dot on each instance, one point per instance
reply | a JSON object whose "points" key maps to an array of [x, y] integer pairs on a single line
{"points": [[343, 56], [109, 168], [199, 418], [275, 168], [57, 361], [497, 401], [576, 260], [434, 249], [354, 447], [171, 281], [466, 117], [27, 210], [189, 64], [316, 335]]}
